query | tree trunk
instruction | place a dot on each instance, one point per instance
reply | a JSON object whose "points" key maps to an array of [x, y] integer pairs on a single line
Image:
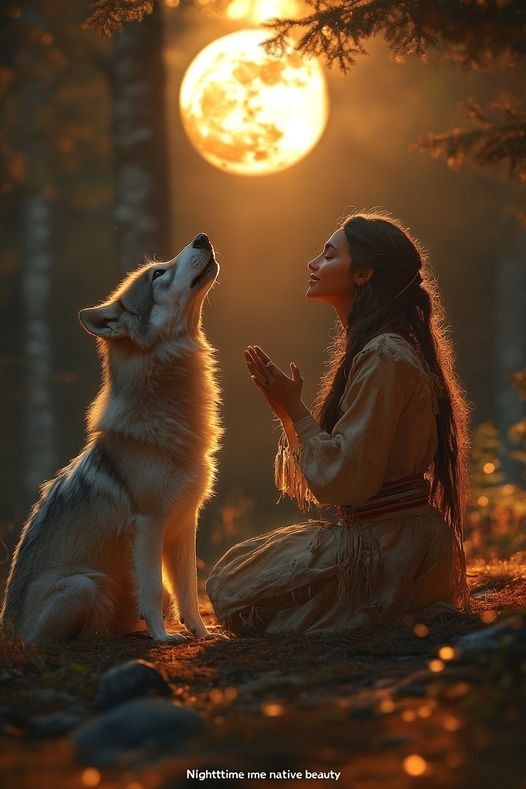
{"points": [[40, 433], [35, 211], [142, 205], [510, 340]]}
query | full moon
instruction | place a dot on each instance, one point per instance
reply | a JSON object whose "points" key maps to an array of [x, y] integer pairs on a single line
{"points": [[250, 113]]}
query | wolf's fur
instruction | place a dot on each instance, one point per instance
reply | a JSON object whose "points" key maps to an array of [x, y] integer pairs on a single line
{"points": [[121, 518]]}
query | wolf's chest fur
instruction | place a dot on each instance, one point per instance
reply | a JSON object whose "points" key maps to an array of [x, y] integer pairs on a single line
{"points": [[158, 418]]}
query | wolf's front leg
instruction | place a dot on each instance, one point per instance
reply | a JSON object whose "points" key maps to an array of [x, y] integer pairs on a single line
{"points": [[147, 561], [180, 565]]}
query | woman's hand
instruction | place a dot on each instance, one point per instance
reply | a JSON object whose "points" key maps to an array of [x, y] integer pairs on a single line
{"points": [[282, 393]]}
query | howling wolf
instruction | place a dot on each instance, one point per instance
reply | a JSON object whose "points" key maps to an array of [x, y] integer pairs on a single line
{"points": [[120, 520]]}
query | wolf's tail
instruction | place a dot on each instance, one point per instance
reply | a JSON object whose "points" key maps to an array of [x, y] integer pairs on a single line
{"points": [[21, 572]]}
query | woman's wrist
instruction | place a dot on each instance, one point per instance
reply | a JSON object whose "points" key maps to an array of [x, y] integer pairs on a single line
{"points": [[298, 412], [306, 427]]}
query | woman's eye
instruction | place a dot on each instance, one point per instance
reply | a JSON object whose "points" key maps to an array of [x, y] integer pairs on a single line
{"points": [[327, 257], [158, 273]]}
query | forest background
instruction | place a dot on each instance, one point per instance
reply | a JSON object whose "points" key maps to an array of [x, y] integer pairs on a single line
{"points": [[72, 208]]}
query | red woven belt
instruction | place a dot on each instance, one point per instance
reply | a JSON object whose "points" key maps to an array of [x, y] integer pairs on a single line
{"points": [[401, 494]]}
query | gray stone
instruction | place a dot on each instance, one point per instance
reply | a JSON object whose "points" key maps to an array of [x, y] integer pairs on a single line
{"points": [[58, 723], [135, 732], [488, 640], [51, 696], [128, 681]]}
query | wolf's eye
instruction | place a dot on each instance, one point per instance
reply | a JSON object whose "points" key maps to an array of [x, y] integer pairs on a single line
{"points": [[158, 273]]}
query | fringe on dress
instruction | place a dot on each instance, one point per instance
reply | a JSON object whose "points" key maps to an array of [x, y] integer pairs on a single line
{"points": [[359, 565], [359, 562], [288, 475]]}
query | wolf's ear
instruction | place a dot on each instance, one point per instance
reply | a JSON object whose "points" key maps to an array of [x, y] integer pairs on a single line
{"points": [[104, 321]]}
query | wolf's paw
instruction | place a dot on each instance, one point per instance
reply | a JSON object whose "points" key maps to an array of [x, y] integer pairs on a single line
{"points": [[171, 638], [213, 635]]}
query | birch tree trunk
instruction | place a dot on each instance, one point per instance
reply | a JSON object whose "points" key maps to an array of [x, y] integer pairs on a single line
{"points": [[510, 339], [40, 429], [142, 205], [37, 259]]}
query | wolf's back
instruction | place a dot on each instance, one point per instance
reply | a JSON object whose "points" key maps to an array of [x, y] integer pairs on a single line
{"points": [[26, 552]]}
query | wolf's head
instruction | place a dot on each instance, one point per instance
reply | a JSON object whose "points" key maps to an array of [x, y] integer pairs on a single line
{"points": [[158, 301]]}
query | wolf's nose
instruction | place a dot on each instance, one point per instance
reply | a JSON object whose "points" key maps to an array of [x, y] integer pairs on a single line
{"points": [[201, 241]]}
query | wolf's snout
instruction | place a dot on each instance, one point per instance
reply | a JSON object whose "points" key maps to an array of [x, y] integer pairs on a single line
{"points": [[201, 241]]}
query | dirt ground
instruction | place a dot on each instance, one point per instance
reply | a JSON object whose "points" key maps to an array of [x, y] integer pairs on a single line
{"points": [[380, 706]]}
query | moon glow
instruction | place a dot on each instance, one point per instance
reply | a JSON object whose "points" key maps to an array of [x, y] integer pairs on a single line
{"points": [[250, 113]]}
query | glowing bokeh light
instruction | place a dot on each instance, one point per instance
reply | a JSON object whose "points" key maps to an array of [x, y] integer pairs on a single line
{"points": [[250, 113], [436, 665], [421, 630], [273, 710], [447, 653], [415, 764], [91, 777]]}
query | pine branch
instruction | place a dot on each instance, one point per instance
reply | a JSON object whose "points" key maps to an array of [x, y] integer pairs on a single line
{"points": [[495, 142], [471, 33], [108, 16]]}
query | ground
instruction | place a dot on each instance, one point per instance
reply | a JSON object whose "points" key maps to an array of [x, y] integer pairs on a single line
{"points": [[380, 705]]}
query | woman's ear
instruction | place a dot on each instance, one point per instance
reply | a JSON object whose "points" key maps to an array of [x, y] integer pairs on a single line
{"points": [[104, 321], [364, 276]]}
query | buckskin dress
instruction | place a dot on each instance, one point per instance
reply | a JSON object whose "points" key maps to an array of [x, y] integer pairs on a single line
{"points": [[325, 575]]}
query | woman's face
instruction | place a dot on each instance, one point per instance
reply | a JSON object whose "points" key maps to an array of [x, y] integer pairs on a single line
{"points": [[331, 275]]}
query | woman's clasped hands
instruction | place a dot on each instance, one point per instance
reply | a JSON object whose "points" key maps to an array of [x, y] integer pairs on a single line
{"points": [[282, 393]]}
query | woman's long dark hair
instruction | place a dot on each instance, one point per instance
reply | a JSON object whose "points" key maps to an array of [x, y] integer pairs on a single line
{"points": [[378, 240]]}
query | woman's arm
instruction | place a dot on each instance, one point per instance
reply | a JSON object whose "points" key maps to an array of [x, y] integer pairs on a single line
{"points": [[348, 466]]}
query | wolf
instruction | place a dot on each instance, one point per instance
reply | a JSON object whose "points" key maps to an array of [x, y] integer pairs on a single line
{"points": [[113, 534]]}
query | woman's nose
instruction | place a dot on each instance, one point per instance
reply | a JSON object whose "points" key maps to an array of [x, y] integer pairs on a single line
{"points": [[312, 265]]}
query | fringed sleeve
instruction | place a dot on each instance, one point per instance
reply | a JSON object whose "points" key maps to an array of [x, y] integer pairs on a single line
{"points": [[288, 475]]}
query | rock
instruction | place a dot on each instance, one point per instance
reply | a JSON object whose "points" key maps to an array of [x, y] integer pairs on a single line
{"points": [[58, 723], [135, 731], [14, 720], [128, 681], [51, 696], [492, 639]]}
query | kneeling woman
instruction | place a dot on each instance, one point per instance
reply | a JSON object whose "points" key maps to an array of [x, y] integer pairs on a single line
{"points": [[387, 450]]}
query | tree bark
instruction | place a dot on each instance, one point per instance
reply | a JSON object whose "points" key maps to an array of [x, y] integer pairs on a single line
{"points": [[37, 263], [139, 132], [40, 432], [510, 340]]}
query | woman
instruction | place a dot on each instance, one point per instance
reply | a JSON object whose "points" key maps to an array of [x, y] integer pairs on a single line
{"points": [[387, 447]]}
